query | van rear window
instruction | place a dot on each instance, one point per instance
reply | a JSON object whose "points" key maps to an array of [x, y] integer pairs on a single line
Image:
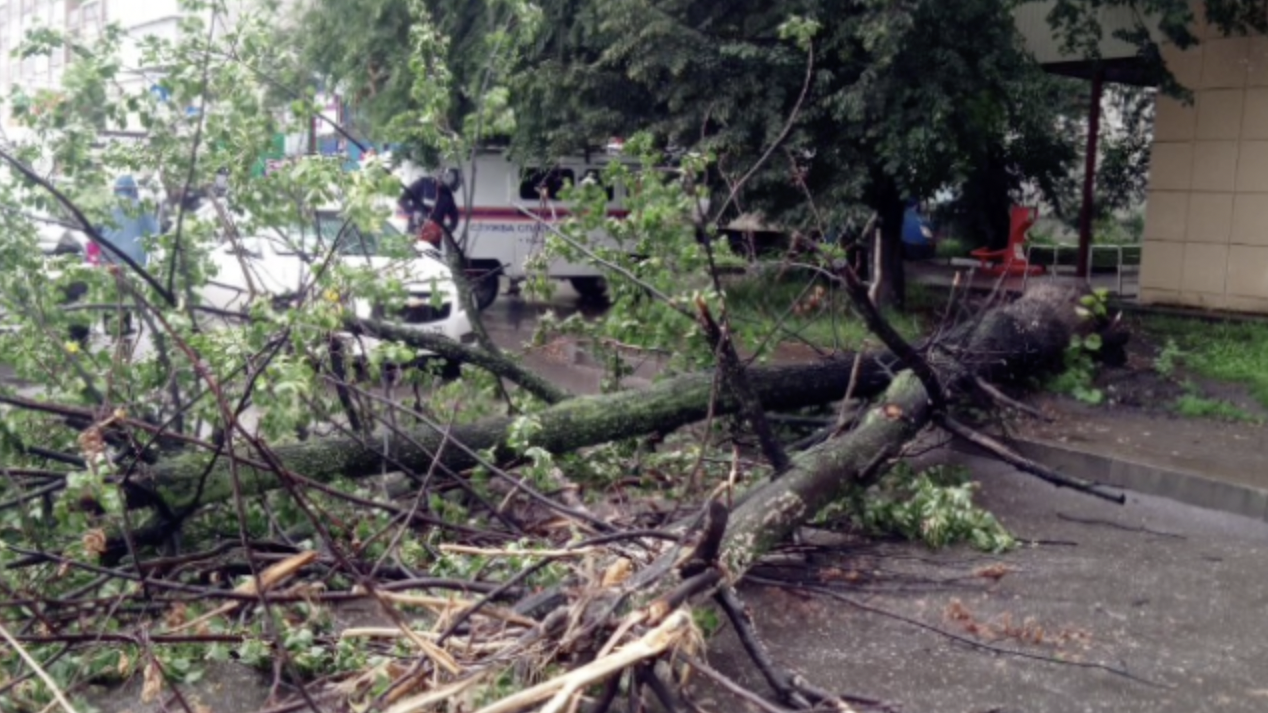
{"points": [[553, 180]]}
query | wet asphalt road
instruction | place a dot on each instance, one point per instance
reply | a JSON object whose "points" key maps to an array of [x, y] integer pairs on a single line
{"points": [[513, 319], [1150, 607]]}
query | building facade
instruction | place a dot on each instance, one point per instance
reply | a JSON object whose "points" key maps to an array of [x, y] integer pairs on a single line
{"points": [[84, 19], [1206, 225], [1206, 218], [17, 17]]}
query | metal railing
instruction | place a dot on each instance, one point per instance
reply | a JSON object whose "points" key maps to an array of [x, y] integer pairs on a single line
{"points": [[1056, 258]]}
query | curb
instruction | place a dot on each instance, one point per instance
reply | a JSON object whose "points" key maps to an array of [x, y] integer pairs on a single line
{"points": [[1182, 486]]}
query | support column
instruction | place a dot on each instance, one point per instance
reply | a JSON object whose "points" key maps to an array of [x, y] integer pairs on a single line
{"points": [[1089, 174]]}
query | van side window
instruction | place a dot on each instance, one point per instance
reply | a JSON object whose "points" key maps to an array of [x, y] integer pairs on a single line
{"points": [[552, 180], [596, 175]]}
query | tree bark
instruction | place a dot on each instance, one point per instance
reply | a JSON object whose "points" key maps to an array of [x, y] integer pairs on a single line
{"points": [[890, 208], [567, 426], [1017, 341], [770, 513], [767, 514], [1038, 326], [895, 281]]}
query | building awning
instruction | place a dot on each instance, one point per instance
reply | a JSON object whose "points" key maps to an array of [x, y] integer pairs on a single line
{"points": [[1118, 63], [1124, 70]]}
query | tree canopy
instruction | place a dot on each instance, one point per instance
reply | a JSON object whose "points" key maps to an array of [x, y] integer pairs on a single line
{"points": [[860, 106]]}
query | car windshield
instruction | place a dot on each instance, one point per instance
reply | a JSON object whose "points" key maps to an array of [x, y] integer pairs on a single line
{"points": [[348, 239]]}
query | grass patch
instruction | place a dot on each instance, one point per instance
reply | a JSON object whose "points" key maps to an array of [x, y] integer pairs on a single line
{"points": [[952, 247], [1235, 352], [1194, 406], [816, 312]]}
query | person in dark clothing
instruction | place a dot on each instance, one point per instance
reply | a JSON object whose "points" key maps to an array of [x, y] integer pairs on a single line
{"points": [[417, 198], [432, 207]]}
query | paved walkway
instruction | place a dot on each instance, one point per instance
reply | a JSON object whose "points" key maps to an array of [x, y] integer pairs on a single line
{"points": [[1170, 595], [1213, 464]]}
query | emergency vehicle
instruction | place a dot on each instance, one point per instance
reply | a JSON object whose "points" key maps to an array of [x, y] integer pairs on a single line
{"points": [[500, 214]]}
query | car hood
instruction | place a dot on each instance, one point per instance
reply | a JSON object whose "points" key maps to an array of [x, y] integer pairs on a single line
{"points": [[279, 273], [422, 269]]}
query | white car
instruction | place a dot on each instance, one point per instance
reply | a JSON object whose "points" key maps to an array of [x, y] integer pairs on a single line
{"points": [[281, 265]]}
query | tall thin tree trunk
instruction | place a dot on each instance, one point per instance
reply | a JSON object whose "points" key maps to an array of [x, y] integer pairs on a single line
{"points": [[890, 206]]}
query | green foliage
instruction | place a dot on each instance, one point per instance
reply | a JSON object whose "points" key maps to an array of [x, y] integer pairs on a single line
{"points": [[1094, 306], [707, 621], [1109, 230], [274, 364], [1078, 378], [430, 75], [811, 311], [655, 255], [953, 247], [1168, 358], [1079, 374], [1078, 24], [912, 96], [933, 506], [916, 96]]}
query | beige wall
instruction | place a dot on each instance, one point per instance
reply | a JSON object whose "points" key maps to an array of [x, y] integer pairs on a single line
{"points": [[1206, 225]]}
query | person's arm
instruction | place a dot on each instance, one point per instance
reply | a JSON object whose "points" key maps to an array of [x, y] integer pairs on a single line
{"points": [[448, 209], [412, 199], [407, 201]]}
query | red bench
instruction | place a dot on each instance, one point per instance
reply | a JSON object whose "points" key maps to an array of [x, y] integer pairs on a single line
{"points": [[1012, 259]]}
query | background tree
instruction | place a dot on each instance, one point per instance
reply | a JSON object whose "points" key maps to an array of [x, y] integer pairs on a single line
{"points": [[882, 102], [901, 99], [416, 72]]}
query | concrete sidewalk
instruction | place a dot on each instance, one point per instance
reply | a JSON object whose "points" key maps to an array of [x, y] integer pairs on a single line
{"points": [[1169, 594], [1211, 464]]}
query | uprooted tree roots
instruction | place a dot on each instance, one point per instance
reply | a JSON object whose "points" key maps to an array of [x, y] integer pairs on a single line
{"points": [[553, 603]]}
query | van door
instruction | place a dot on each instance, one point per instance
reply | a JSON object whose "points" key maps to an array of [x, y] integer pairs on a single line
{"points": [[492, 224]]}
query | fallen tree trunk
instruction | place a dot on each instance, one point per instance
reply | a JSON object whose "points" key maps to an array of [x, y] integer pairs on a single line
{"points": [[768, 514], [1018, 340], [1013, 341], [726, 543], [575, 423]]}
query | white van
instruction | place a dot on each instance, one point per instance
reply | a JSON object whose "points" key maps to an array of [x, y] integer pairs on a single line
{"points": [[500, 238]]}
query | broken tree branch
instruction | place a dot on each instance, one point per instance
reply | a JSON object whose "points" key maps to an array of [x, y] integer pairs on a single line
{"points": [[1025, 465], [650, 645], [1007, 401], [737, 379], [496, 364]]}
